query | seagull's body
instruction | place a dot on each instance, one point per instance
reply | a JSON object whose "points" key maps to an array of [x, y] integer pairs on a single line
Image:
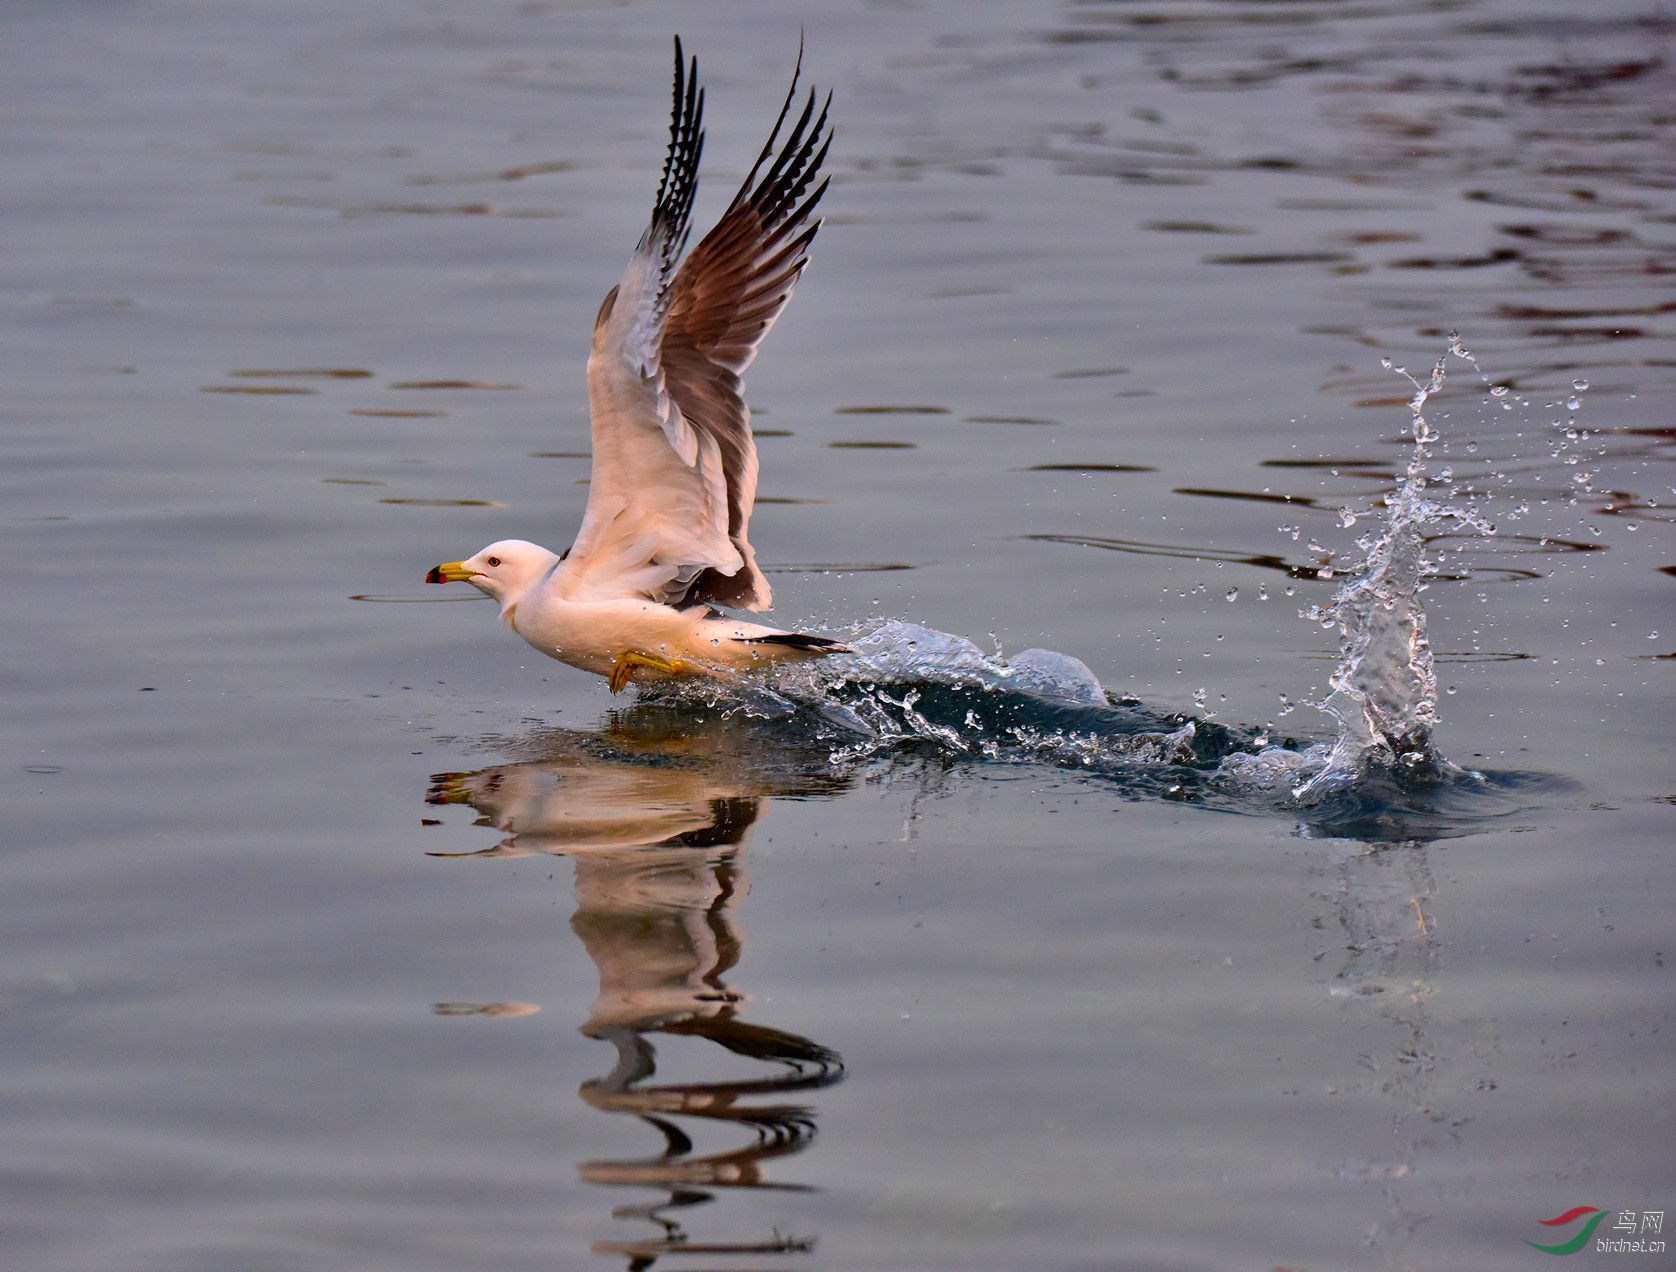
{"points": [[664, 536]]}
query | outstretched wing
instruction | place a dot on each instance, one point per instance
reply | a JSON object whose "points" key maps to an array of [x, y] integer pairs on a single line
{"points": [[725, 298], [675, 468]]}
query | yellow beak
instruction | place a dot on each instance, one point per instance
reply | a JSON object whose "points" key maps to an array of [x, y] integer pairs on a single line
{"points": [[450, 572]]}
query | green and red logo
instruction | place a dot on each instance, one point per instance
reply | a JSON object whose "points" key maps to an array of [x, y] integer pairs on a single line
{"points": [[1595, 1213]]}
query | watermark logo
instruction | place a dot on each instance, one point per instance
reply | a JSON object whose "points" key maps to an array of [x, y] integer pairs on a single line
{"points": [[1636, 1226], [1595, 1213]]}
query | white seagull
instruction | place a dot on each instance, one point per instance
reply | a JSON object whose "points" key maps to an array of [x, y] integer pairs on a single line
{"points": [[663, 539]]}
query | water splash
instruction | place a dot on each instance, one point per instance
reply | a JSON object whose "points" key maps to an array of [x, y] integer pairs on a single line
{"points": [[895, 652], [904, 686], [1384, 690]]}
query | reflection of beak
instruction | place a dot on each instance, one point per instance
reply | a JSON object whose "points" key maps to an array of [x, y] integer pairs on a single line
{"points": [[450, 572], [449, 788]]}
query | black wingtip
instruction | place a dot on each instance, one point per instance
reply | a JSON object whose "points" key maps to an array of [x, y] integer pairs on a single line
{"points": [[799, 640], [679, 183], [798, 163]]}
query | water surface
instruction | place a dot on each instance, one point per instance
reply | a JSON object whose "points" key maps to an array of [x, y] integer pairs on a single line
{"points": [[342, 932]]}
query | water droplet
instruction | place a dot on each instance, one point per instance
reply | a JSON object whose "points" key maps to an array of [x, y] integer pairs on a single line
{"points": [[1450, 689], [1572, 404], [1386, 363], [1346, 518], [1580, 385], [1498, 390], [1262, 593], [1233, 594]]}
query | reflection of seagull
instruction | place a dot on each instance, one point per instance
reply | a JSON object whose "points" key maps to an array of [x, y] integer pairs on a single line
{"points": [[655, 776], [675, 467], [656, 811]]}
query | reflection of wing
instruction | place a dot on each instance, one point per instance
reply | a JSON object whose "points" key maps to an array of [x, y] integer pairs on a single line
{"points": [[675, 469], [657, 923]]}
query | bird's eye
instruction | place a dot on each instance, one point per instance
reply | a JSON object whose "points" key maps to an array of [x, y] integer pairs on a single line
{"points": [[492, 561]]}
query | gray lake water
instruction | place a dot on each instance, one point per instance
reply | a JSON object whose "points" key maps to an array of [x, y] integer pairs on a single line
{"points": [[340, 931]]}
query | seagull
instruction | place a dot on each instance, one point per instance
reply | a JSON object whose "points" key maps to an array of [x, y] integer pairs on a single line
{"points": [[663, 538]]}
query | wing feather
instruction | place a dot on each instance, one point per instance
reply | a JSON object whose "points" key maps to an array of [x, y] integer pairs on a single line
{"points": [[675, 466], [727, 295]]}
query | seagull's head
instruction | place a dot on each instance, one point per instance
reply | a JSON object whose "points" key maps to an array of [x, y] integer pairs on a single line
{"points": [[502, 570]]}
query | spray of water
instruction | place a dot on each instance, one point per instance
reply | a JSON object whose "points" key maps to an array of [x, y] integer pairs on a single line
{"points": [[907, 685], [904, 684], [1384, 690]]}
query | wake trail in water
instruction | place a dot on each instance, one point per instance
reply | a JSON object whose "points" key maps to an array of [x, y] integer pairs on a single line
{"points": [[907, 685]]}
